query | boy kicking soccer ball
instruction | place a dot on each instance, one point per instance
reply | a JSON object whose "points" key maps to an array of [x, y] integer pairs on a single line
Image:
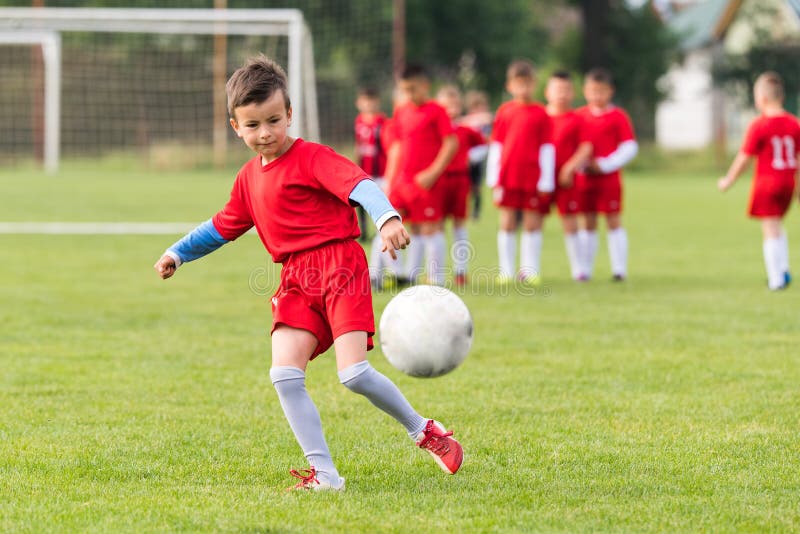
{"points": [[300, 196], [774, 139]]}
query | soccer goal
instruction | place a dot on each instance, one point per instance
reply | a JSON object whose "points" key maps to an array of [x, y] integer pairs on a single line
{"points": [[91, 82]]}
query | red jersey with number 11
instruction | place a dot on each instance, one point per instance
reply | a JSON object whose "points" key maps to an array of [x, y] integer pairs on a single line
{"points": [[775, 141]]}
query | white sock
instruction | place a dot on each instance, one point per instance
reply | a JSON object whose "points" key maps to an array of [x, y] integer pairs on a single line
{"points": [[376, 263], [530, 253], [618, 251], [574, 254], [461, 252], [436, 250], [772, 261], [507, 251], [588, 245], [415, 253], [784, 251]]}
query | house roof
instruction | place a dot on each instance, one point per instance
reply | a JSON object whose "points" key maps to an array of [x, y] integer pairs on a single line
{"points": [[705, 22]]}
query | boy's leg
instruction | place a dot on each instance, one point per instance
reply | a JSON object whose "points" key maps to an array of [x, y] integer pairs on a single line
{"points": [[570, 224], [588, 242], [531, 246], [376, 261], [291, 350], [773, 257], [461, 247], [435, 250], [357, 375], [507, 242], [617, 246], [415, 254]]}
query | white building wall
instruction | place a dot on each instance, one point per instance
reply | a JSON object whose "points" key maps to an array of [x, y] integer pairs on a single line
{"points": [[684, 120]]}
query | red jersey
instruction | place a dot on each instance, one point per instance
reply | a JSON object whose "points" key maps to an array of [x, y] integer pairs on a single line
{"points": [[522, 129], [568, 134], [606, 132], [420, 131], [297, 202], [370, 152], [775, 142], [467, 138]]}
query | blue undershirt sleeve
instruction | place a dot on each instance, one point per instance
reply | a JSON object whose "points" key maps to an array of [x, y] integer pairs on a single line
{"points": [[372, 199], [201, 241]]}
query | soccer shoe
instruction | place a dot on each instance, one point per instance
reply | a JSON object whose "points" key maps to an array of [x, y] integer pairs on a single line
{"points": [[446, 451], [460, 279], [787, 279], [618, 278], [309, 481], [582, 278]]}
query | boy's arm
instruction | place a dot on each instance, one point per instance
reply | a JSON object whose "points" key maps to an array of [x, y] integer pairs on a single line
{"points": [[624, 153], [547, 167], [203, 240], [740, 163], [374, 201], [427, 177], [579, 159], [493, 163]]}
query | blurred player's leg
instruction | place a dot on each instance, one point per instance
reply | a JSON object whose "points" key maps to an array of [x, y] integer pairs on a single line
{"points": [[588, 243], [435, 251], [773, 253], [415, 254], [784, 248], [530, 269], [376, 262], [507, 243], [291, 349], [572, 244], [461, 251], [617, 247]]}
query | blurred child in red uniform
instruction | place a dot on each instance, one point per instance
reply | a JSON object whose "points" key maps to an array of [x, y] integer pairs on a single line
{"points": [[478, 117], [457, 181], [774, 140], [520, 168], [426, 144], [610, 131], [572, 151]]}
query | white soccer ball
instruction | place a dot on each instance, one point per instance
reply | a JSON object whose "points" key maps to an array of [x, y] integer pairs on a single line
{"points": [[426, 331]]}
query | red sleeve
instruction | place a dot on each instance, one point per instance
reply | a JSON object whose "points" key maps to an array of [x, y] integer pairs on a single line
{"points": [[752, 139], [234, 218], [335, 173], [625, 128]]}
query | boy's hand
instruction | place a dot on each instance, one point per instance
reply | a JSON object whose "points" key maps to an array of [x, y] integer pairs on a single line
{"points": [[724, 183], [394, 236], [565, 176], [165, 267], [425, 179]]}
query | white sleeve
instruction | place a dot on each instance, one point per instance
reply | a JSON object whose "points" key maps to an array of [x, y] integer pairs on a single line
{"points": [[547, 165], [493, 164], [478, 153], [624, 153]]}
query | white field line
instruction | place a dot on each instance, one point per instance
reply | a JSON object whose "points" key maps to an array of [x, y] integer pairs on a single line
{"points": [[97, 228]]}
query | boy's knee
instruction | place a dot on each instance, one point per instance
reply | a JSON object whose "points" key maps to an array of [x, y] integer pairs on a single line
{"points": [[352, 377], [282, 373]]}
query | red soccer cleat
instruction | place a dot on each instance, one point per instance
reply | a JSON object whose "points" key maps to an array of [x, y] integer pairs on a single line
{"points": [[460, 280], [446, 451], [309, 481]]}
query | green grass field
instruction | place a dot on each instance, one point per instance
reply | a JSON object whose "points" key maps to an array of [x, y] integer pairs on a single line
{"points": [[130, 404]]}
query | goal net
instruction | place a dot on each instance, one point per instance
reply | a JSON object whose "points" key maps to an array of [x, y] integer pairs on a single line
{"points": [[89, 82]]}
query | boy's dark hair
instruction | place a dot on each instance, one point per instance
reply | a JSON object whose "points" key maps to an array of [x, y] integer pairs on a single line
{"points": [[368, 92], [256, 81], [412, 71], [521, 68], [562, 75], [600, 75]]}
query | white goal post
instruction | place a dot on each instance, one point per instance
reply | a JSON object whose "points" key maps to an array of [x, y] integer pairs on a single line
{"points": [[43, 26]]}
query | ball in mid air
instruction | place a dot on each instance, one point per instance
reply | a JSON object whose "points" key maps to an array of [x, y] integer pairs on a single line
{"points": [[426, 331]]}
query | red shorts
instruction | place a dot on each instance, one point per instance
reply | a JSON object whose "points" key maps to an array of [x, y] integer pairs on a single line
{"points": [[770, 200], [457, 187], [416, 204], [567, 200], [518, 199], [326, 290], [599, 195]]}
